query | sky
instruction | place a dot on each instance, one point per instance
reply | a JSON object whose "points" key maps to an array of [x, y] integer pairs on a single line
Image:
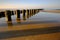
{"points": [[26, 4]]}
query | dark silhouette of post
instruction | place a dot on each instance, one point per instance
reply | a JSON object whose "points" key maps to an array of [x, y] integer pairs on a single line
{"points": [[12, 12], [8, 15], [20, 11], [18, 14], [24, 14], [30, 12], [2, 14], [38, 10], [27, 11], [34, 11]]}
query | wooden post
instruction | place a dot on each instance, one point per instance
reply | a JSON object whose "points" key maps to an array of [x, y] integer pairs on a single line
{"points": [[12, 12], [24, 14], [18, 14], [8, 15], [30, 12], [2, 14], [27, 11], [34, 11]]}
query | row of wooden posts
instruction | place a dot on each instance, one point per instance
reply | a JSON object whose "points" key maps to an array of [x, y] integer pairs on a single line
{"points": [[18, 12]]}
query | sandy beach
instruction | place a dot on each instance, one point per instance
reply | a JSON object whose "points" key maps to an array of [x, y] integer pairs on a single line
{"points": [[32, 31]]}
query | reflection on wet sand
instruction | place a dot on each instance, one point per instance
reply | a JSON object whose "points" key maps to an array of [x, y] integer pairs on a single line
{"points": [[9, 24], [29, 32], [18, 20]]}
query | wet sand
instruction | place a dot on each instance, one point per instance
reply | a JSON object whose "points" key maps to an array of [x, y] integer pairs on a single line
{"points": [[52, 36], [32, 31], [28, 26], [46, 31]]}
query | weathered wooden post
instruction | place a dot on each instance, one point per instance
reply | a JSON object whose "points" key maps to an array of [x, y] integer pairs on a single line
{"points": [[18, 14], [27, 11], [8, 15], [24, 14], [12, 12], [30, 12], [38, 10], [2, 14], [34, 11]]}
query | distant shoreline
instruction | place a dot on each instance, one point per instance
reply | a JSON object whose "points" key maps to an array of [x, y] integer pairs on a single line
{"points": [[55, 11]]}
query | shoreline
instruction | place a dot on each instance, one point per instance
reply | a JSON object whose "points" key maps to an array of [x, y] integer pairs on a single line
{"points": [[54, 11]]}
